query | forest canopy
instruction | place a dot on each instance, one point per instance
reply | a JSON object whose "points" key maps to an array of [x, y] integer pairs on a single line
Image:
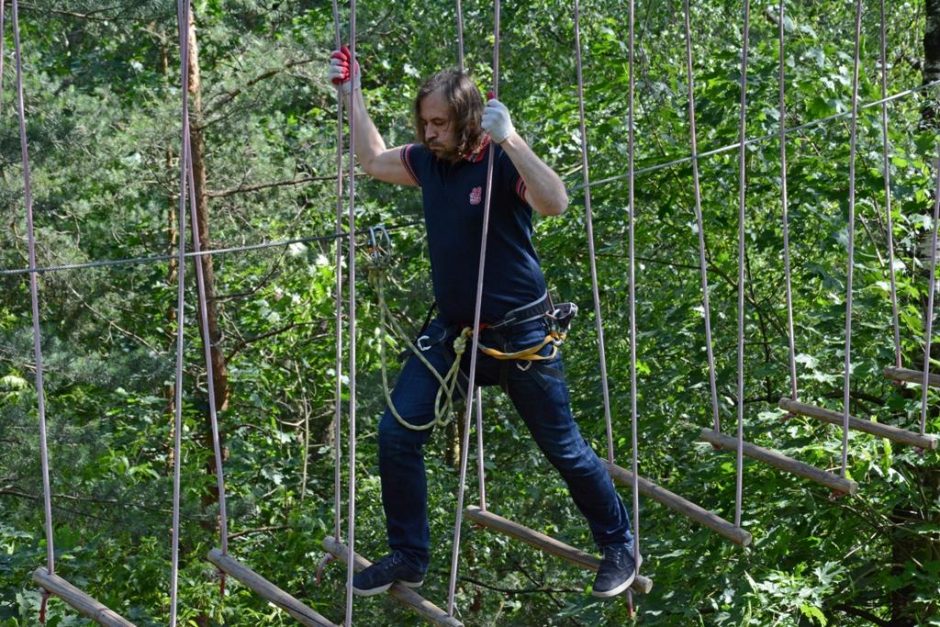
{"points": [[103, 94]]}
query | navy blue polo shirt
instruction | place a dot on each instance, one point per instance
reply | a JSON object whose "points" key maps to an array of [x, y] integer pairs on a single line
{"points": [[453, 196]]}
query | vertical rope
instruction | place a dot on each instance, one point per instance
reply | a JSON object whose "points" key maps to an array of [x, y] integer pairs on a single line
{"points": [[853, 141], [460, 50], [930, 300], [475, 344], [785, 211], [481, 470], [33, 293], [886, 165], [338, 317], [631, 167], [589, 223], [180, 325], [697, 186], [742, 205], [351, 523]]}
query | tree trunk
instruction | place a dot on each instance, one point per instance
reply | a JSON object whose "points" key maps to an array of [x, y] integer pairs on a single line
{"points": [[219, 370], [172, 272]]}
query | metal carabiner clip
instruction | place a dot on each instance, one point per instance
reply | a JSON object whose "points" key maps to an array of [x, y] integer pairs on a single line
{"points": [[380, 244]]}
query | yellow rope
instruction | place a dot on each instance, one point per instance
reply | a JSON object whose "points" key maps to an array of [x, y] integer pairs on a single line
{"points": [[444, 400]]}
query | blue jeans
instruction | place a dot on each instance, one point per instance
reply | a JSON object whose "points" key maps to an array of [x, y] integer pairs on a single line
{"points": [[540, 395]]}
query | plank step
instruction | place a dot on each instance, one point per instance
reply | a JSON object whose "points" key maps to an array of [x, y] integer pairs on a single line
{"points": [[901, 436], [83, 603], [407, 596], [267, 590], [911, 376], [545, 543], [782, 462], [716, 523]]}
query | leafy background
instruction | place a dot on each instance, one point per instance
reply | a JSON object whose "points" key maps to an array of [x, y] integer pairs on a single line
{"points": [[102, 102]]}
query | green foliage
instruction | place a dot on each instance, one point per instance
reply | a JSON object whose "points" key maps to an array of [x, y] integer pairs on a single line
{"points": [[103, 112]]}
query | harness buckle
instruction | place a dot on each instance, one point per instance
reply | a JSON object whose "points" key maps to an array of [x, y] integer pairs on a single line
{"points": [[561, 317]]}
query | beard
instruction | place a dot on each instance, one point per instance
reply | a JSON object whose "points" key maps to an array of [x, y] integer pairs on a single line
{"points": [[451, 155]]}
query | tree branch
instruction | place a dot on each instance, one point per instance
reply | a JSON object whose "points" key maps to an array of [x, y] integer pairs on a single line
{"points": [[243, 189], [92, 15], [859, 612], [539, 590], [250, 340], [246, 532], [226, 97]]}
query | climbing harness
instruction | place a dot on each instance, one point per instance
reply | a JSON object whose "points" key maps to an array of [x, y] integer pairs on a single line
{"points": [[558, 321]]}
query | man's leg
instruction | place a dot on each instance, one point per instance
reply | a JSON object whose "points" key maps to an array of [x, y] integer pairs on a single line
{"points": [[540, 394], [402, 471]]}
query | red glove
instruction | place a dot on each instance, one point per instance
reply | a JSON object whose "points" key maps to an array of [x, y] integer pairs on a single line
{"points": [[339, 73]]}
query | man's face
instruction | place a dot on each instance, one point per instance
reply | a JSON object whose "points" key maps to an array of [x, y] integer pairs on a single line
{"points": [[438, 126]]}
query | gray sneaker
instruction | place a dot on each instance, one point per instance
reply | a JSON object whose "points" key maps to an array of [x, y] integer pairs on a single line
{"points": [[381, 575], [616, 572]]}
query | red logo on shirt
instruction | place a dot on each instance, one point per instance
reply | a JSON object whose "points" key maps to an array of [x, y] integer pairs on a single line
{"points": [[476, 195]]}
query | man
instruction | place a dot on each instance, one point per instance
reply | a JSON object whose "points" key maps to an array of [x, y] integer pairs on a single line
{"points": [[448, 162]]}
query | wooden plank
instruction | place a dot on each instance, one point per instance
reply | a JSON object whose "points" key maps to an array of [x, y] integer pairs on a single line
{"points": [[675, 502], [267, 590], [546, 543], [83, 603], [901, 436], [405, 595], [782, 462], [911, 376]]}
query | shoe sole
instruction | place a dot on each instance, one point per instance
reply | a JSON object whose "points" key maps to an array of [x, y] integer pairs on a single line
{"points": [[606, 594], [368, 592]]}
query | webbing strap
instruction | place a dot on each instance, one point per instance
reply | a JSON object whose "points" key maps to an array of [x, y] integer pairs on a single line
{"points": [[33, 294], [528, 354]]}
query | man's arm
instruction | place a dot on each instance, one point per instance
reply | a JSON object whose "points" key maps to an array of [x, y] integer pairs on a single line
{"points": [[378, 161], [545, 191]]}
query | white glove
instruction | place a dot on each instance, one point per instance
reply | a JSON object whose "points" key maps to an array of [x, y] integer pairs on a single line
{"points": [[339, 72], [496, 121]]}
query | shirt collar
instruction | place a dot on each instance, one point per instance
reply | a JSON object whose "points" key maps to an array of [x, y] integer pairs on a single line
{"points": [[477, 157]]}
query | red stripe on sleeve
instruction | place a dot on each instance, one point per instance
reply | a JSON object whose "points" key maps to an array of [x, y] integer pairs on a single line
{"points": [[406, 161]]}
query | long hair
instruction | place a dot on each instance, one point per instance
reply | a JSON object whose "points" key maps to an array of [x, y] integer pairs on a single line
{"points": [[466, 108]]}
